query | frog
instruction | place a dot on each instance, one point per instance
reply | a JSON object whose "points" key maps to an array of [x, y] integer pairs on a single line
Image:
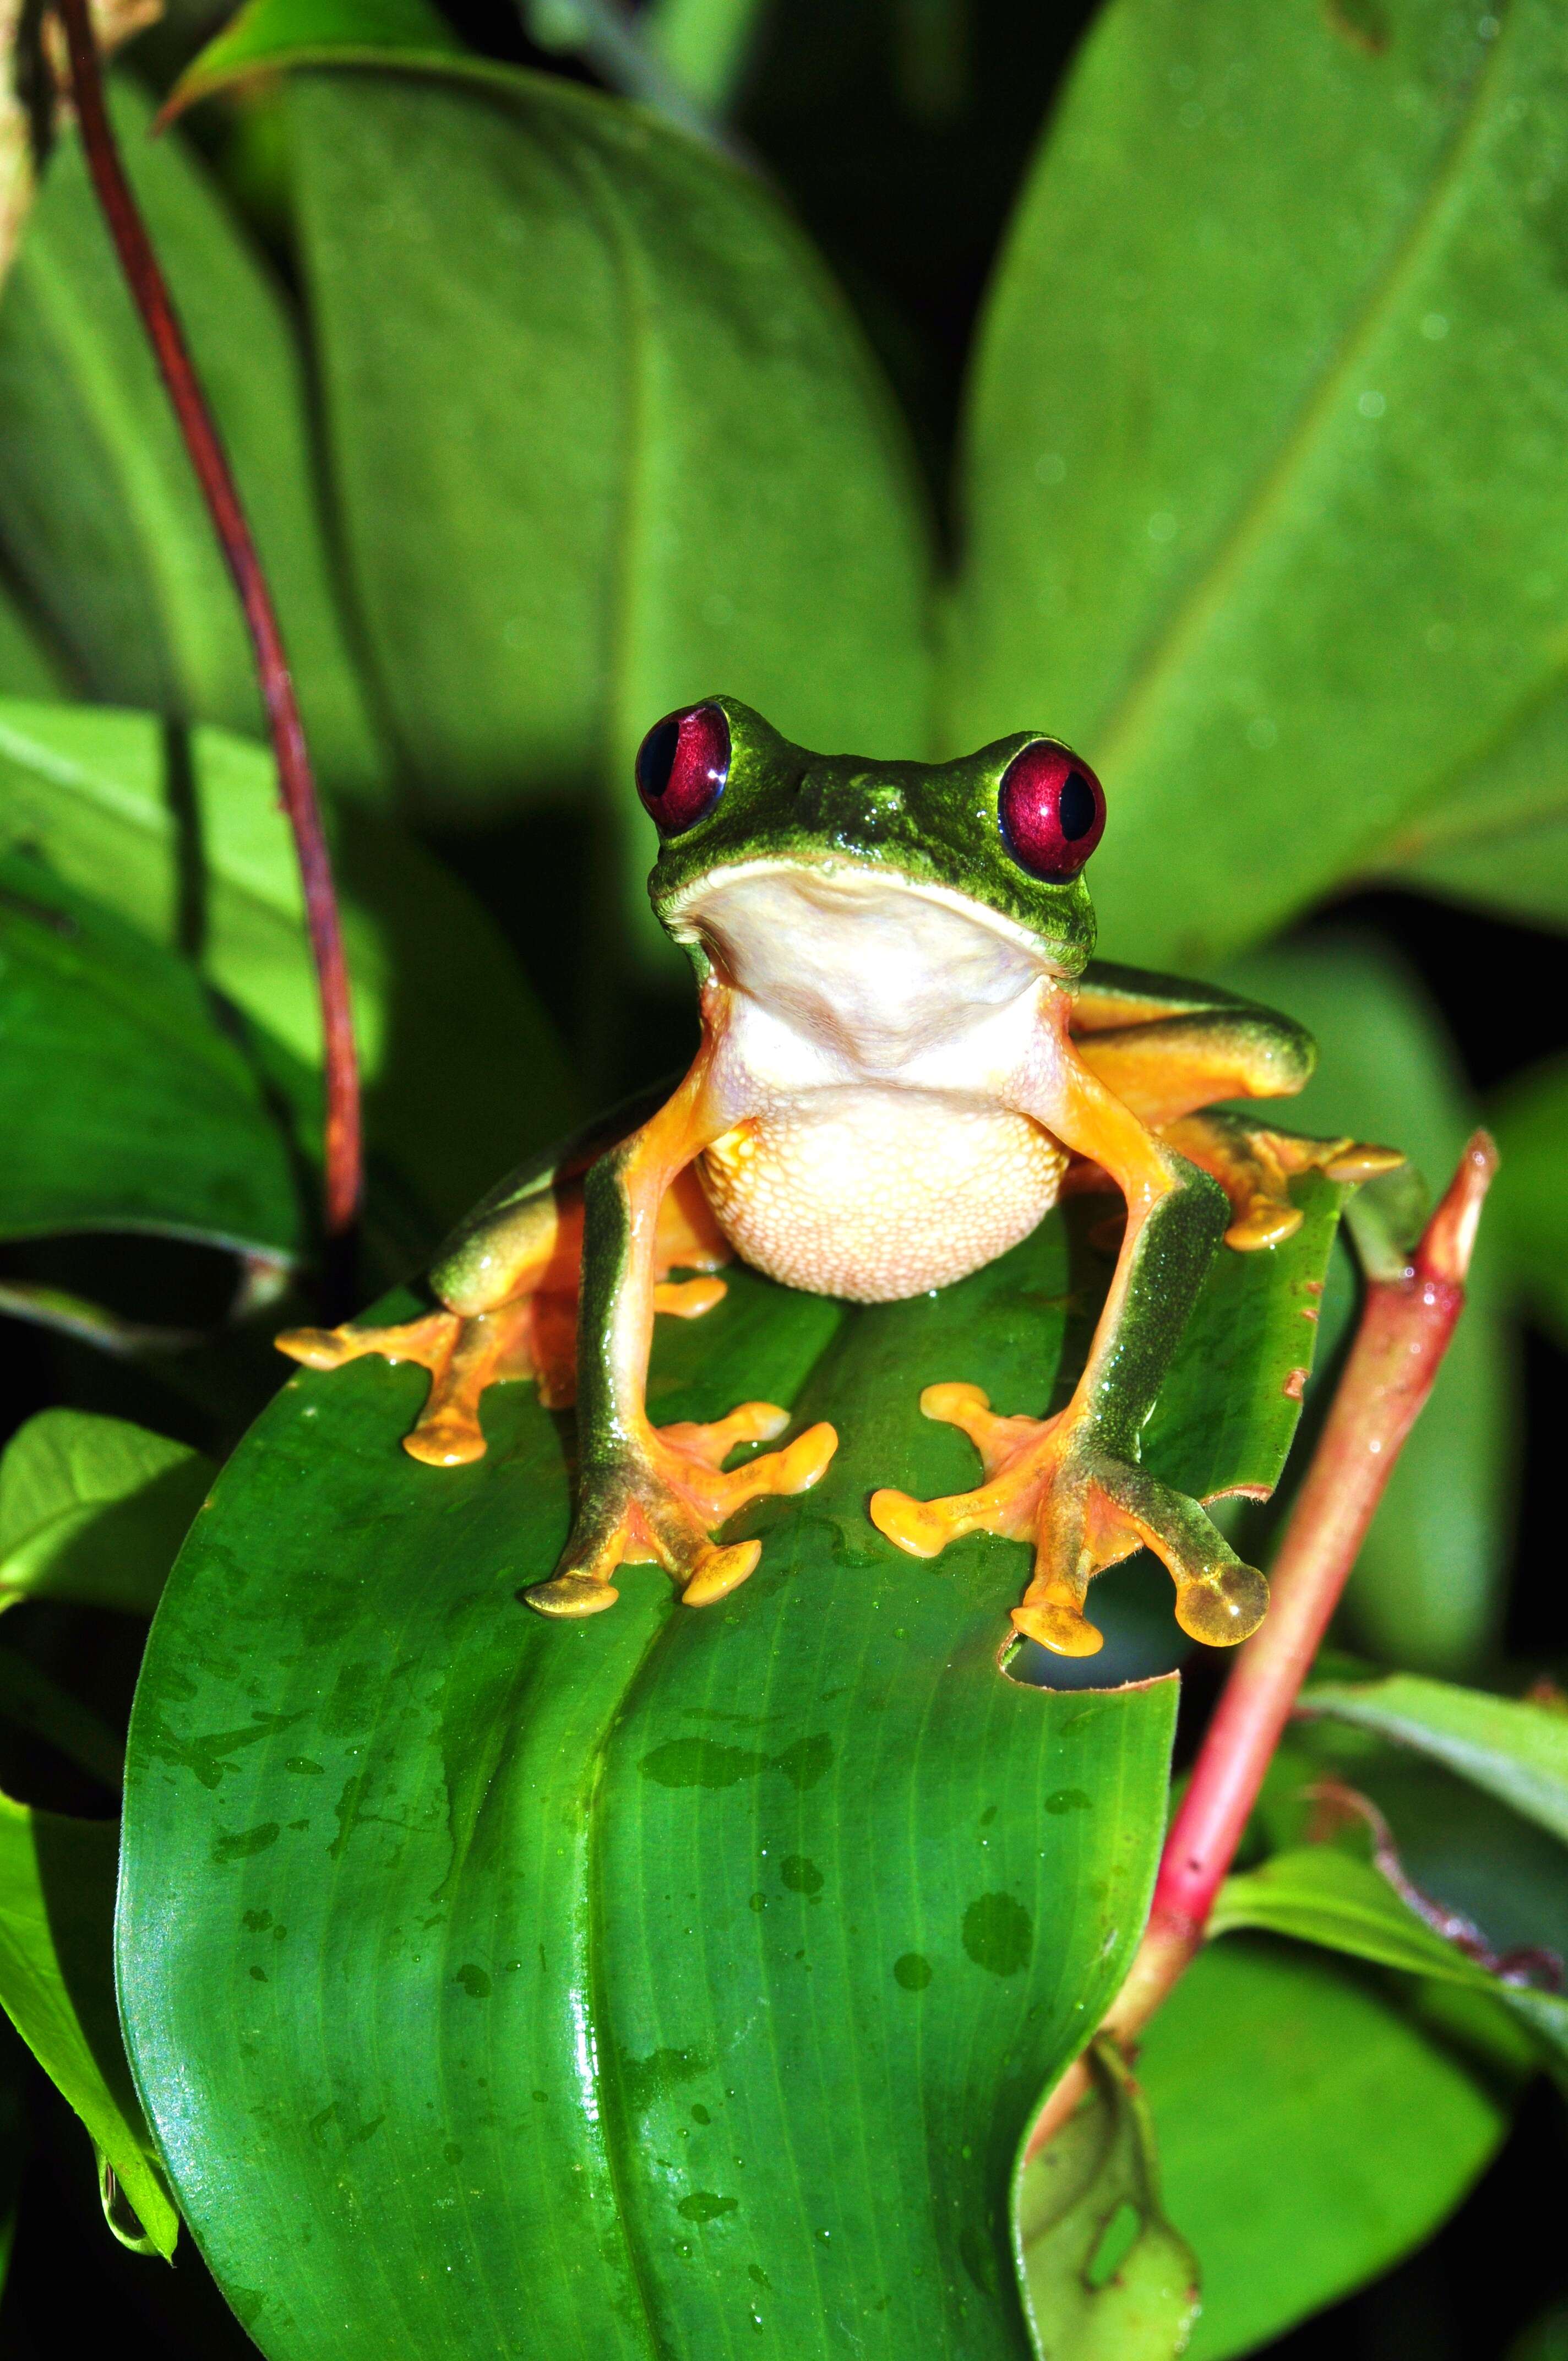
{"points": [[908, 1055]]}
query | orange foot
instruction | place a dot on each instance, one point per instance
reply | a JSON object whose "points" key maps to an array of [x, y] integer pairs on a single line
{"points": [[661, 1503], [533, 1337], [1048, 1483]]}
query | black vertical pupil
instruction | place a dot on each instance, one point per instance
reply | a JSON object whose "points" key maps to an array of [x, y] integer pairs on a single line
{"points": [[1075, 811], [656, 758]]}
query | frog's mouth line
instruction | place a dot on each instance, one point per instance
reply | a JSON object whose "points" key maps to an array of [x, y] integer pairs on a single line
{"points": [[833, 878]]}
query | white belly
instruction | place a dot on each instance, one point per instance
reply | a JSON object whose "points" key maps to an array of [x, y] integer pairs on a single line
{"points": [[874, 1195]]}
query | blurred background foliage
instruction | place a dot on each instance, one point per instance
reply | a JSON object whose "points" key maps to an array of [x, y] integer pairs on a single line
{"points": [[1190, 382]]}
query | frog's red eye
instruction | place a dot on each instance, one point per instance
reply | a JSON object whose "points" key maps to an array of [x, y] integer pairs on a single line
{"points": [[681, 766], [1052, 810]]}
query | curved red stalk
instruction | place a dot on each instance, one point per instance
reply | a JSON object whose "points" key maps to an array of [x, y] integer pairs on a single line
{"points": [[1406, 1323], [296, 784]]}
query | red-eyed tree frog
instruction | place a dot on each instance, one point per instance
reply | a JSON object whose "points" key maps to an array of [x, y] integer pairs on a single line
{"points": [[907, 1054]]}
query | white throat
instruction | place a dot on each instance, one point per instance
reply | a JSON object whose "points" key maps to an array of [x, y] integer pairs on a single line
{"points": [[877, 970]]}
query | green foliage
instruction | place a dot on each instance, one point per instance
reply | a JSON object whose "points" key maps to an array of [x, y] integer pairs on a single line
{"points": [[1516, 1751], [585, 388], [1318, 1894], [1104, 2274], [57, 1897], [93, 1509], [1385, 2112], [548, 419], [181, 837], [1531, 1121], [152, 1118], [816, 1808], [1277, 539], [98, 506]]}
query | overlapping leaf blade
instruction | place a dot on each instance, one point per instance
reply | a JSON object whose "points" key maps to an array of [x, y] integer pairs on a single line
{"points": [[125, 1103], [57, 1900], [183, 838], [1514, 1748], [672, 1983], [605, 439], [1317, 1894]]}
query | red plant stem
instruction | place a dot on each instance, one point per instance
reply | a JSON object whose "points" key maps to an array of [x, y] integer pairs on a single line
{"points": [[1406, 1323], [150, 293]]}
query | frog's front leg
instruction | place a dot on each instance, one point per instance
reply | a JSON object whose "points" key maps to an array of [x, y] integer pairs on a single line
{"points": [[1169, 1052], [646, 1493], [1072, 1484]]}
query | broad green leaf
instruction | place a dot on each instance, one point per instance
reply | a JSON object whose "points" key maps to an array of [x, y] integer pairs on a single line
{"points": [[1314, 2124], [1319, 1894], [184, 838], [1263, 507], [789, 1910], [1427, 1590], [93, 1509], [1515, 1749], [663, 461], [57, 1902], [1105, 2276], [100, 516], [1529, 1120], [123, 1103], [604, 439]]}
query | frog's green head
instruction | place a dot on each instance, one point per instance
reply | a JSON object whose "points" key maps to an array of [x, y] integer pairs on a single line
{"points": [[1007, 829]]}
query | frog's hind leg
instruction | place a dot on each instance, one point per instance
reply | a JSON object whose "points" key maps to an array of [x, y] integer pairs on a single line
{"points": [[531, 1333], [463, 1355]]}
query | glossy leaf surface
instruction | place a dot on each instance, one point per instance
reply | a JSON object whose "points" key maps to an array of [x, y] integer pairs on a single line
{"points": [[57, 1901], [99, 513], [1269, 2051], [183, 838], [1277, 544], [1514, 1748], [125, 1104], [788, 1910], [93, 1509]]}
